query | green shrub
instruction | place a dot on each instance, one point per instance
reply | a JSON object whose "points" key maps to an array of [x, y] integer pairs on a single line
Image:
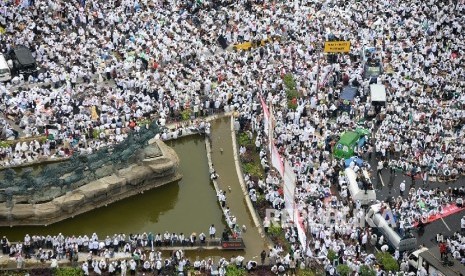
{"points": [[305, 272], [275, 230], [96, 133], [343, 270], [68, 271], [290, 86], [253, 169], [331, 255], [292, 94], [291, 104], [261, 199], [387, 261], [186, 114], [243, 139], [4, 144], [367, 271], [232, 270], [143, 122]]}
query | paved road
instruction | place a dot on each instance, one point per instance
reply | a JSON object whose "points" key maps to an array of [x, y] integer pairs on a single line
{"points": [[387, 185]]}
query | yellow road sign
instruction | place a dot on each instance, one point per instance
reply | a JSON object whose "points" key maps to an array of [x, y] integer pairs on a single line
{"points": [[337, 46]]}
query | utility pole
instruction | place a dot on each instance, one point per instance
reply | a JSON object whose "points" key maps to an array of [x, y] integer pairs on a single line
{"points": [[318, 49]]}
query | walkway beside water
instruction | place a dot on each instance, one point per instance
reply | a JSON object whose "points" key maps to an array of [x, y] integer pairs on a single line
{"points": [[221, 150]]}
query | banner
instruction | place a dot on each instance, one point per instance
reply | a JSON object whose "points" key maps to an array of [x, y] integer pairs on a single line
{"points": [[300, 229], [266, 113], [271, 130], [276, 161], [289, 188], [286, 172]]}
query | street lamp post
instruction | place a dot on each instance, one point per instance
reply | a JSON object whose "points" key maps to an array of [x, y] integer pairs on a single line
{"points": [[318, 51]]}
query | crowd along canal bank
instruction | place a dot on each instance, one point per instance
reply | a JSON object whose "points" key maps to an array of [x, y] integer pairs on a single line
{"points": [[184, 206], [226, 164]]}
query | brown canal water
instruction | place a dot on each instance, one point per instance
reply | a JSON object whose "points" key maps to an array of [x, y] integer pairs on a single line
{"points": [[223, 162], [188, 205]]}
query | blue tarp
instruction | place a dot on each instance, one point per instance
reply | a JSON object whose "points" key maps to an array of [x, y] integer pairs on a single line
{"points": [[348, 93], [356, 159], [361, 141]]}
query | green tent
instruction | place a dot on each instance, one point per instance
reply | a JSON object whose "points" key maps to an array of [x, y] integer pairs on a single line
{"points": [[347, 144]]}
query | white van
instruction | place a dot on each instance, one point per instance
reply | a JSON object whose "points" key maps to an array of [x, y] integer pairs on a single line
{"points": [[5, 73], [430, 259], [378, 94]]}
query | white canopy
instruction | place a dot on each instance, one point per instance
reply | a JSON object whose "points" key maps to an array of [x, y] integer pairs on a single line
{"points": [[377, 93]]}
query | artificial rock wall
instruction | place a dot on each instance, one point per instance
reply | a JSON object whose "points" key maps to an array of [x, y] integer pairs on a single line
{"points": [[153, 166]]}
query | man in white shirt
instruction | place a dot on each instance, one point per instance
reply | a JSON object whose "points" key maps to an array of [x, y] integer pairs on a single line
{"points": [[212, 231], [402, 188]]}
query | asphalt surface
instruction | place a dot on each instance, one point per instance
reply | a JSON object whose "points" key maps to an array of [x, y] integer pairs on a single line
{"points": [[387, 185]]}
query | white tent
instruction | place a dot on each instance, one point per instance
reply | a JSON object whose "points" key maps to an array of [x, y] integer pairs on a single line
{"points": [[377, 93]]}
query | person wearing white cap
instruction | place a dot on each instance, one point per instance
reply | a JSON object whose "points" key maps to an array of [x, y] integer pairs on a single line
{"points": [[402, 188]]}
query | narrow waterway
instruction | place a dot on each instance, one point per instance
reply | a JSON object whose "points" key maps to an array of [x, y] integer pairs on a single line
{"points": [[223, 162], [189, 205]]}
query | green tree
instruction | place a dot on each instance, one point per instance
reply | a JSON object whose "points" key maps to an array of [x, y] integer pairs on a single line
{"points": [[331, 255], [186, 114], [292, 94], [243, 139], [343, 270], [367, 271], [387, 261]]}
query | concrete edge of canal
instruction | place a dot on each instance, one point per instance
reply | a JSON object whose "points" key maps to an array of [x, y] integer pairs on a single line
{"points": [[240, 177], [210, 167]]}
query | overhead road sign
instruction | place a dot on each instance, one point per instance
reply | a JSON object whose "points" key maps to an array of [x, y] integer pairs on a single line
{"points": [[337, 46]]}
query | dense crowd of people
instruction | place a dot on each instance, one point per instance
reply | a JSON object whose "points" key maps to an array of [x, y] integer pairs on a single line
{"points": [[123, 253], [421, 205], [420, 130], [107, 66], [59, 245]]}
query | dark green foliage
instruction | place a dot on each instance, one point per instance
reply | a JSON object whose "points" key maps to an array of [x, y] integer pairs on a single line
{"points": [[292, 94], [387, 261], [367, 271], [343, 270]]}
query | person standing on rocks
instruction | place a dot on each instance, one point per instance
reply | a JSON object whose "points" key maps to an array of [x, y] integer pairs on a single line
{"points": [[212, 231]]}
